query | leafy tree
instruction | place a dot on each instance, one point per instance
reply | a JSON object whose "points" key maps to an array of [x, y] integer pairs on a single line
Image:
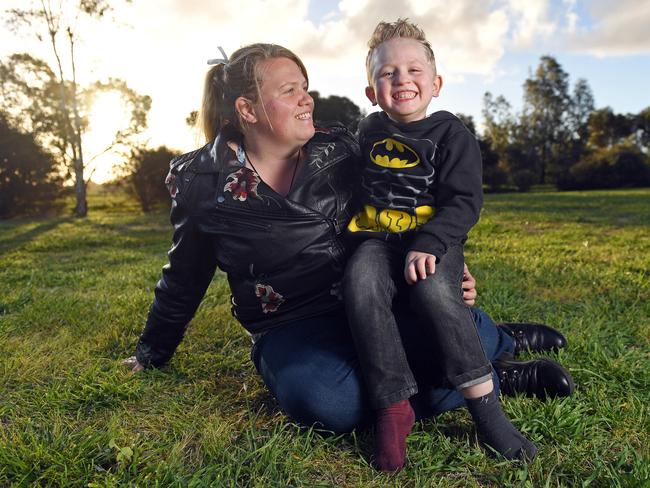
{"points": [[31, 101], [547, 105], [29, 182], [609, 167], [580, 109], [136, 105], [147, 169], [513, 159], [543, 141], [336, 108], [607, 129], [642, 129], [499, 121], [59, 19]]}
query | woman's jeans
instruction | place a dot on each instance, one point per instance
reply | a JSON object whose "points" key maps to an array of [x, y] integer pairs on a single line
{"points": [[374, 277], [311, 368]]}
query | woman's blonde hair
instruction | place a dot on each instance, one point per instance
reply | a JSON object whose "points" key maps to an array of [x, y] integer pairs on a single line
{"points": [[238, 77]]}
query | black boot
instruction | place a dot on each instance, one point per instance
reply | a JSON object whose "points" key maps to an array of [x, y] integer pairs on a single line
{"points": [[540, 378], [533, 337]]}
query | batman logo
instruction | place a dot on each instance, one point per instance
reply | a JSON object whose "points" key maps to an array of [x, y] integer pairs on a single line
{"points": [[390, 153]]}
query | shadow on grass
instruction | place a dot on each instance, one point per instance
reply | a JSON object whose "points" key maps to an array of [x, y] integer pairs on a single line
{"points": [[13, 241]]}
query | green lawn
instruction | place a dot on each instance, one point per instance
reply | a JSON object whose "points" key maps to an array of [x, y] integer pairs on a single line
{"points": [[74, 295]]}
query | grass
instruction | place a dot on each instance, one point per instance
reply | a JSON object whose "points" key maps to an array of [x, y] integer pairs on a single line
{"points": [[73, 299]]}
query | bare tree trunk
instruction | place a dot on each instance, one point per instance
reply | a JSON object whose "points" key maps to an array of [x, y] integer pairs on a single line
{"points": [[81, 209], [73, 137]]}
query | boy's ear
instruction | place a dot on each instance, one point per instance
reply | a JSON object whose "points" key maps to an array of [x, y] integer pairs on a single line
{"points": [[437, 85], [245, 110], [370, 93]]}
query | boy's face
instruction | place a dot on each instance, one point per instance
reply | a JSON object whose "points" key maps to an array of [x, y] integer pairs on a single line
{"points": [[403, 82]]}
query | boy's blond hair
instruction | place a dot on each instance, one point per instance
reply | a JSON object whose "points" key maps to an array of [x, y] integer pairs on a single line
{"points": [[385, 31]]}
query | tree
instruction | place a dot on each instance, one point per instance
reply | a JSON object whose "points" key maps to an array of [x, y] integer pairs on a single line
{"points": [[546, 112], [493, 175], [147, 169], [30, 101], [642, 129], [499, 121], [580, 109], [60, 19], [620, 165], [29, 181], [607, 129], [512, 158], [336, 108]]}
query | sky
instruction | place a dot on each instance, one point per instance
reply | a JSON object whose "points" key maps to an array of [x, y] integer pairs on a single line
{"points": [[160, 48]]}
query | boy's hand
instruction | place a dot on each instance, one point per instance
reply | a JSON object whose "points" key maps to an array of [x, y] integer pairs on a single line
{"points": [[418, 266]]}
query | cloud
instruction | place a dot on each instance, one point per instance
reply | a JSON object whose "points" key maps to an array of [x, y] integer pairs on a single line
{"points": [[467, 36], [614, 31], [531, 21]]}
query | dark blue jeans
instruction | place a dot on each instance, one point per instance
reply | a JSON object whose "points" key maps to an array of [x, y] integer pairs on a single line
{"points": [[311, 368], [374, 276]]}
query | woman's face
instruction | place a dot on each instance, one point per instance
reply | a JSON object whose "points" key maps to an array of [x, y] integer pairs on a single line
{"points": [[285, 109]]}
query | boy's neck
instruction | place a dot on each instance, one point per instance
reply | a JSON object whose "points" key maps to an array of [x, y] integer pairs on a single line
{"points": [[398, 121]]}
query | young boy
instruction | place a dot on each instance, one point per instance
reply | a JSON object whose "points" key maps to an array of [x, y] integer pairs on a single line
{"points": [[421, 193]]}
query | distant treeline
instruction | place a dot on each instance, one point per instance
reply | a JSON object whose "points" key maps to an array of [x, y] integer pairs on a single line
{"points": [[557, 138]]}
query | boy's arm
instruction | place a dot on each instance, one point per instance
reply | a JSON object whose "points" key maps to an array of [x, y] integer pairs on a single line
{"points": [[459, 196]]}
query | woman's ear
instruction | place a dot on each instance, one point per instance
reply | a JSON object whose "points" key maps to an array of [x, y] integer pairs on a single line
{"points": [[245, 110]]}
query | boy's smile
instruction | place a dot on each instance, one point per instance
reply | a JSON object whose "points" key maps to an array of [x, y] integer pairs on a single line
{"points": [[403, 79]]}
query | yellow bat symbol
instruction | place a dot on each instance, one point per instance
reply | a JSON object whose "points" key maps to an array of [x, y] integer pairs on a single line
{"points": [[390, 153]]}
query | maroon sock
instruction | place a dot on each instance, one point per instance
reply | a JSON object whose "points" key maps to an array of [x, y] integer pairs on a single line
{"points": [[392, 425]]}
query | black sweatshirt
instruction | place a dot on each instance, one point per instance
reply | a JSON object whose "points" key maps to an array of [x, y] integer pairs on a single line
{"points": [[420, 180]]}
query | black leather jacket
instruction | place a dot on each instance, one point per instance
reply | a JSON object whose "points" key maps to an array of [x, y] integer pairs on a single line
{"points": [[283, 257]]}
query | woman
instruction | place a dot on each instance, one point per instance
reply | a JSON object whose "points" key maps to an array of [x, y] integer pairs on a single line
{"points": [[266, 201]]}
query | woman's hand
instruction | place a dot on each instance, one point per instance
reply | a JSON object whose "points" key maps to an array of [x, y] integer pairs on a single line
{"points": [[469, 287], [133, 364]]}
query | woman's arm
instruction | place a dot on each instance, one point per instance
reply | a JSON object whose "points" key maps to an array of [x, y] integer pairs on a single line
{"points": [[179, 292]]}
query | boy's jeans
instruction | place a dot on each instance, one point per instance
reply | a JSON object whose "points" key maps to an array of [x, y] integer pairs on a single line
{"points": [[373, 278]]}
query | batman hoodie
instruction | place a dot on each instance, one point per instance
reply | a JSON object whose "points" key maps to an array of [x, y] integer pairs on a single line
{"points": [[420, 182]]}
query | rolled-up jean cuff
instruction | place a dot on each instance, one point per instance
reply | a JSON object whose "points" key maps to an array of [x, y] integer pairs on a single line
{"points": [[388, 400], [472, 378]]}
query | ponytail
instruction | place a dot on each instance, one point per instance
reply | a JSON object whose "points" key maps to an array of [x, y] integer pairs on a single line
{"points": [[213, 110]]}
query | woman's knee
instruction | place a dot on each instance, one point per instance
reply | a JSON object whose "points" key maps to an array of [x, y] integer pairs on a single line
{"points": [[319, 405]]}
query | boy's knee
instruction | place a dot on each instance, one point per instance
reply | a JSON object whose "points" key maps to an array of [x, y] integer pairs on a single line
{"points": [[436, 289]]}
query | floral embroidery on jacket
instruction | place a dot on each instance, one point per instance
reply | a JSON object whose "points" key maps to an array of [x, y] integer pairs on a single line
{"points": [[170, 182], [242, 183], [270, 298]]}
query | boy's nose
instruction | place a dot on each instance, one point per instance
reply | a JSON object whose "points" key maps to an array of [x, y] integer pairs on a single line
{"points": [[400, 78]]}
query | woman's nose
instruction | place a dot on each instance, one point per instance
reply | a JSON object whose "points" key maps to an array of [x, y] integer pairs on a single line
{"points": [[306, 99]]}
